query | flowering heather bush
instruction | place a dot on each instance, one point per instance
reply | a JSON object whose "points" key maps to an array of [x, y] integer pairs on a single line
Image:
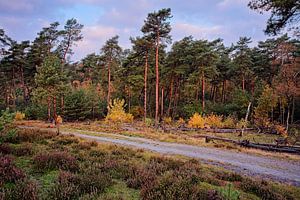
{"points": [[31, 135], [55, 160], [116, 112], [72, 186], [65, 187], [5, 148], [196, 121], [23, 150], [261, 189], [24, 190], [173, 186], [66, 140], [86, 145], [141, 177], [8, 171]]}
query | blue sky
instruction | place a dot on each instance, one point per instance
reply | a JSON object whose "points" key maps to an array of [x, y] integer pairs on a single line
{"points": [[102, 19]]}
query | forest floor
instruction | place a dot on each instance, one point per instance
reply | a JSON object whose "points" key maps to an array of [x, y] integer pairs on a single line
{"points": [[273, 168]]}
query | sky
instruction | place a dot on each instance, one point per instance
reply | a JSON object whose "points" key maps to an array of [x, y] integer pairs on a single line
{"points": [[103, 19]]}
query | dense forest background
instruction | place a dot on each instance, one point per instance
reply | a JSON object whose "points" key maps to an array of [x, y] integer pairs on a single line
{"points": [[156, 80]]}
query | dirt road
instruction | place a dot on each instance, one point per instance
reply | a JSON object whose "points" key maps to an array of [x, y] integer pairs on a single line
{"points": [[276, 169]]}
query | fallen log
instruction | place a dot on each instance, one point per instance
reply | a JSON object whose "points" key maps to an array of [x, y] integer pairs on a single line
{"points": [[247, 143], [212, 130]]}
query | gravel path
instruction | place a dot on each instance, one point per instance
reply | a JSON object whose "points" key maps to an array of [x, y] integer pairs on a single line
{"points": [[276, 169]]}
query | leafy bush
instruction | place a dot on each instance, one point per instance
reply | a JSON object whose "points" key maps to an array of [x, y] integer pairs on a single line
{"points": [[214, 121], [78, 105], [6, 119], [55, 160], [116, 112], [8, 171], [281, 130], [36, 111], [242, 124], [229, 122], [188, 110], [196, 121], [180, 121], [149, 122], [167, 120], [229, 193], [19, 116], [137, 111]]}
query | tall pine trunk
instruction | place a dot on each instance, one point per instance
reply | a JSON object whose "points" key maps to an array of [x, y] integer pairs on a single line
{"points": [[243, 82], [49, 108], [109, 77], [162, 103], [157, 81], [54, 108], [203, 92], [145, 85], [288, 117], [223, 91], [170, 96]]}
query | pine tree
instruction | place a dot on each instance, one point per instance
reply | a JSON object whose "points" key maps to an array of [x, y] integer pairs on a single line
{"points": [[158, 28], [50, 81]]}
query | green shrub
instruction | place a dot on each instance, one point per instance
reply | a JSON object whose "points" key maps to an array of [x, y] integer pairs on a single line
{"points": [[229, 193], [78, 105], [149, 122], [36, 111], [188, 110]]}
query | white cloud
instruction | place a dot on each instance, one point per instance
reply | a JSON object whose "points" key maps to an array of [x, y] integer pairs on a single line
{"points": [[93, 39], [230, 3], [185, 29]]}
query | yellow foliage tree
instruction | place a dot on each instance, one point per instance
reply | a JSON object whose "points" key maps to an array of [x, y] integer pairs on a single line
{"points": [[116, 112], [196, 121], [19, 116], [214, 121]]}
